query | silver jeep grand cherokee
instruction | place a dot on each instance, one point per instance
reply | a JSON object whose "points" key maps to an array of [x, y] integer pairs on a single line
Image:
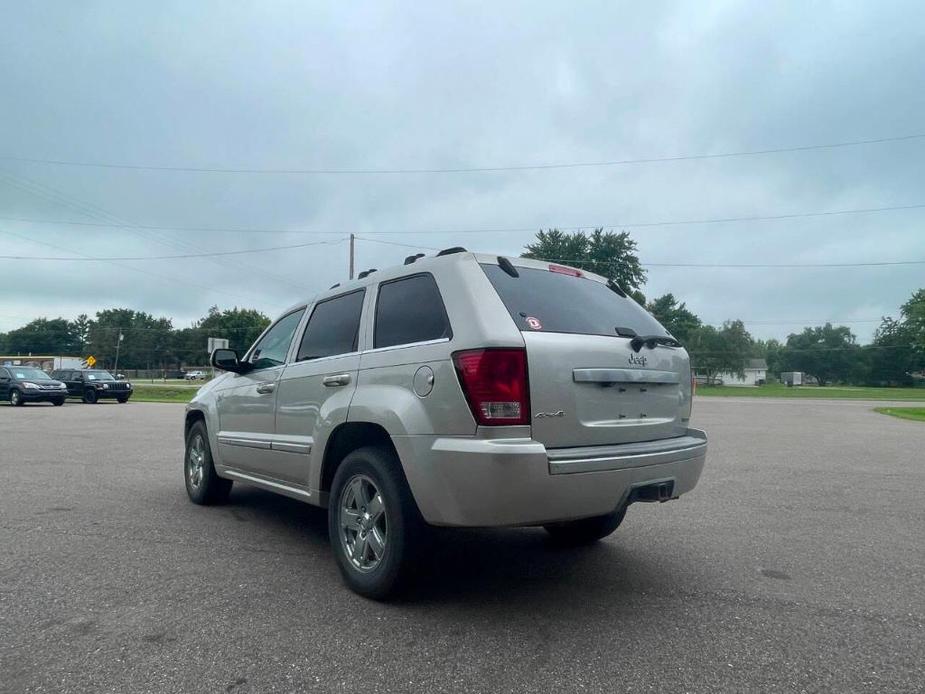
{"points": [[457, 390]]}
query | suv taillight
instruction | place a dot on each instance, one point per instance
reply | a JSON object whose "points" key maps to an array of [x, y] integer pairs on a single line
{"points": [[495, 384]]}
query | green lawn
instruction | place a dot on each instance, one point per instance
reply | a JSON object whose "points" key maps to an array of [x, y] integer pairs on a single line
{"points": [[776, 390], [162, 393], [914, 413]]}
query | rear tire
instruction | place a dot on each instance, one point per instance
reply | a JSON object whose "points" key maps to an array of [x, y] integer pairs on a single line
{"points": [[203, 485], [58, 402], [16, 398], [90, 396], [375, 527], [586, 530]]}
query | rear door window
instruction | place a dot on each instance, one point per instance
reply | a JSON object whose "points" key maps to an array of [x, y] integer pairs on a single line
{"points": [[410, 310], [334, 327], [545, 301]]}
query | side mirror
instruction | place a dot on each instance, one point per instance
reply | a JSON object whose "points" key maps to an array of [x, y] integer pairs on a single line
{"points": [[227, 360]]}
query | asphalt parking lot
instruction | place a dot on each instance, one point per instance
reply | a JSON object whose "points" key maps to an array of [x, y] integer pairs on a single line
{"points": [[798, 564]]}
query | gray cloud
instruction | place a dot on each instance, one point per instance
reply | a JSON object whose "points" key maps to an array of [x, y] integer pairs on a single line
{"points": [[298, 85]]}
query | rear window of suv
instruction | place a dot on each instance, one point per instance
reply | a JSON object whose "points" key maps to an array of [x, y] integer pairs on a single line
{"points": [[553, 302]]}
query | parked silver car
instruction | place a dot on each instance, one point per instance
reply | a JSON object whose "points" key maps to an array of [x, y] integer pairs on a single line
{"points": [[457, 390]]}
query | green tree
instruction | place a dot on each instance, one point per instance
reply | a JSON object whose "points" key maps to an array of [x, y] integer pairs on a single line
{"points": [[80, 329], [675, 316], [898, 350], [828, 353], [42, 336], [770, 351], [605, 253], [716, 351], [240, 326], [146, 343]]}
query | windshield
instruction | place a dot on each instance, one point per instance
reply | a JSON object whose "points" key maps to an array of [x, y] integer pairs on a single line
{"points": [[29, 373], [99, 376], [544, 301]]}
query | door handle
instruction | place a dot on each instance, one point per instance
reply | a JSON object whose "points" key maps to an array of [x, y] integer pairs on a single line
{"points": [[336, 380], [265, 388]]}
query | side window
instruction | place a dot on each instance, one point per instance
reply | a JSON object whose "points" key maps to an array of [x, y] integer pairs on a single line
{"points": [[334, 327], [272, 348], [410, 310], [4, 373]]}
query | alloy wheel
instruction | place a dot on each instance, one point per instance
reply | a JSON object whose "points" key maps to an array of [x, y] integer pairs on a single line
{"points": [[364, 527], [195, 461]]}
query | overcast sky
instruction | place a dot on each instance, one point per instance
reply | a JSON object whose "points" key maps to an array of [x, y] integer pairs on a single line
{"points": [[382, 86]]}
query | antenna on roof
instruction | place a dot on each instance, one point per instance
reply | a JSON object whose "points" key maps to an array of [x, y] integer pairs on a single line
{"points": [[412, 258]]}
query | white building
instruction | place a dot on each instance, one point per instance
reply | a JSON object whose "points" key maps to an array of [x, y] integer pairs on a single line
{"points": [[756, 372]]}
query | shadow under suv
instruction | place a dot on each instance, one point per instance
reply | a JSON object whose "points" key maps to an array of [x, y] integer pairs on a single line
{"points": [[458, 390]]}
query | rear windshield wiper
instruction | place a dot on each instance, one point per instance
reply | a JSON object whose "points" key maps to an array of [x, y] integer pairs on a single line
{"points": [[651, 340]]}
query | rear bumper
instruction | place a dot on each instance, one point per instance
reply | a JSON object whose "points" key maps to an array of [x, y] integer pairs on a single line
{"points": [[497, 482]]}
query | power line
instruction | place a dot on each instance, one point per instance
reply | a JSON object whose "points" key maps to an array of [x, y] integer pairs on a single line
{"points": [[495, 230], [247, 251], [210, 254], [884, 263], [451, 170], [694, 265], [98, 213]]}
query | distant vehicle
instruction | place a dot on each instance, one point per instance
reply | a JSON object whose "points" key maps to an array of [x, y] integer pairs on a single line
{"points": [[90, 385], [22, 384], [708, 380], [458, 390], [194, 375]]}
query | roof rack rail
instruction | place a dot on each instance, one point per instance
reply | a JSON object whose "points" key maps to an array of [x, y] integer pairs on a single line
{"points": [[334, 286], [451, 251], [412, 258], [366, 273]]}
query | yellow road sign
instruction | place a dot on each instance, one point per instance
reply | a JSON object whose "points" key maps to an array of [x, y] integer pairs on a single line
{"points": [[91, 361]]}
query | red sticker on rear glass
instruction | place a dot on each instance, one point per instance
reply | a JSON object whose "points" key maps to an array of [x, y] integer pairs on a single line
{"points": [[534, 323]]}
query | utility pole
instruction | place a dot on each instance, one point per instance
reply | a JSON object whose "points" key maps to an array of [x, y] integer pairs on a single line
{"points": [[118, 345], [351, 256]]}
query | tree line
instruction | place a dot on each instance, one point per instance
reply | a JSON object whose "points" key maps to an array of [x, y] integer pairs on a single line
{"points": [[829, 353], [147, 342]]}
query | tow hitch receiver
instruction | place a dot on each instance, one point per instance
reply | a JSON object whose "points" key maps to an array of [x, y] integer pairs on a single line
{"points": [[653, 491]]}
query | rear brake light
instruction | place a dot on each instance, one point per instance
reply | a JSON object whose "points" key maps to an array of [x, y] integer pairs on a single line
{"points": [[562, 270], [494, 382]]}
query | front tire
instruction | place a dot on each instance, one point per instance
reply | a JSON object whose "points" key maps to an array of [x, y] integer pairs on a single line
{"points": [[203, 485], [16, 398], [586, 530], [58, 402], [374, 525], [90, 396]]}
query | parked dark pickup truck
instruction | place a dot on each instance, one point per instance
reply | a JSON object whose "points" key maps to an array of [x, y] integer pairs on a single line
{"points": [[91, 385]]}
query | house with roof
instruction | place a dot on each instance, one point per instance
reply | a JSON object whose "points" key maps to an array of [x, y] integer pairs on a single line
{"points": [[756, 374]]}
